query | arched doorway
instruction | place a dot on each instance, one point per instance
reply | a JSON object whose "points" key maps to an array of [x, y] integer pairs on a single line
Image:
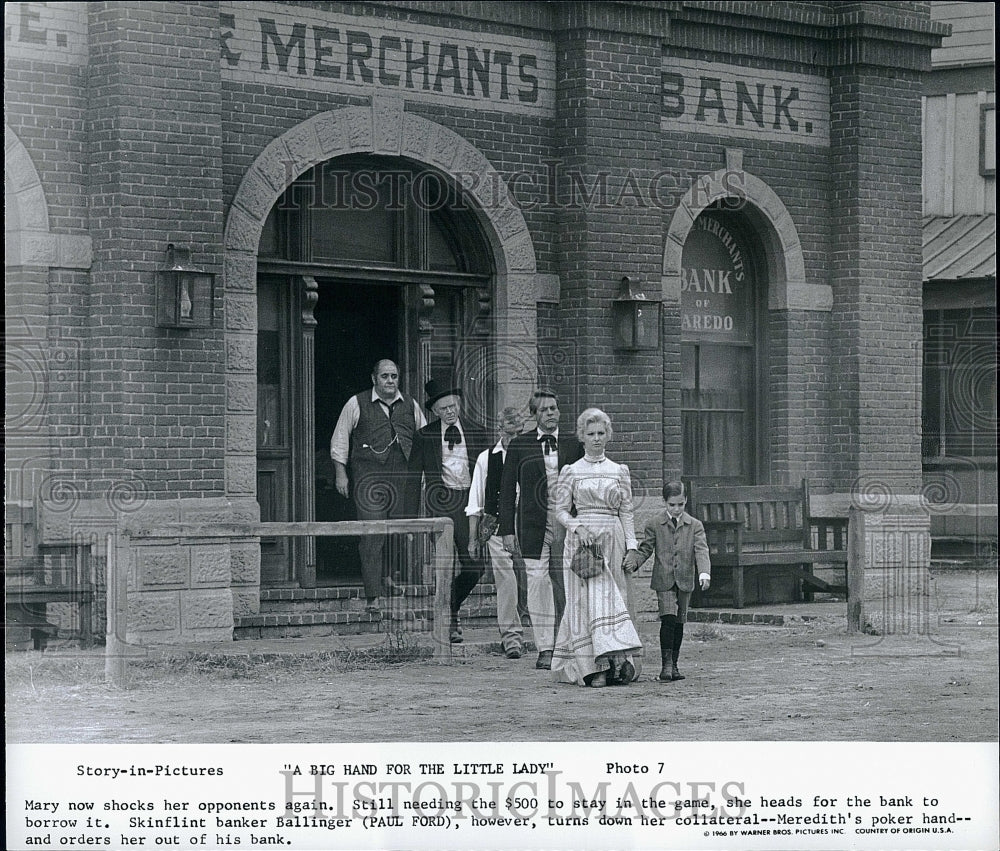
{"points": [[363, 257], [385, 127]]}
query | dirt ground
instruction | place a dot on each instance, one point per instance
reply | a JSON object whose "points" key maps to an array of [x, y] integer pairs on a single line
{"points": [[805, 680]]}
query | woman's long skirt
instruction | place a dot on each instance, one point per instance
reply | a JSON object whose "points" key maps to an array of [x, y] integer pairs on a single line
{"points": [[596, 621]]}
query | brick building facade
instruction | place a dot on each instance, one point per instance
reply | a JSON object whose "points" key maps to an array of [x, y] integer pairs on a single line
{"points": [[755, 168]]}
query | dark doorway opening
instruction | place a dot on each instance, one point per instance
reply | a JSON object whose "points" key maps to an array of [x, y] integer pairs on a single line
{"points": [[357, 324]]}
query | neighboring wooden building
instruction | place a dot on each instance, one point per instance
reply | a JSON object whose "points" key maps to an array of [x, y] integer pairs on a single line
{"points": [[960, 364]]}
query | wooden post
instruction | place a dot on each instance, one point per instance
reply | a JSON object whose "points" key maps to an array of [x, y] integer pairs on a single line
{"points": [[304, 549], [117, 597], [855, 568], [444, 557], [85, 555]]}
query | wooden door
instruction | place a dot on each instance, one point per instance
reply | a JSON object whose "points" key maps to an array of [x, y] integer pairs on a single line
{"points": [[358, 323], [275, 438]]}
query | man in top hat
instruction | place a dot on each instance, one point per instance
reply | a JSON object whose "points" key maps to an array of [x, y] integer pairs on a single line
{"points": [[445, 452], [372, 440], [527, 519]]}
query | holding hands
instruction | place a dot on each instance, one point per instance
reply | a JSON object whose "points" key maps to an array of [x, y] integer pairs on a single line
{"points": [[632, 561]]}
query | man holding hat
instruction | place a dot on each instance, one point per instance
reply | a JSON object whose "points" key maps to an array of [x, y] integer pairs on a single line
{"points": [[445, 452]]}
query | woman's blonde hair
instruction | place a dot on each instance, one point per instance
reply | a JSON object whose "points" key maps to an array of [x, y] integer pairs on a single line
{"points": [[592, 415]]}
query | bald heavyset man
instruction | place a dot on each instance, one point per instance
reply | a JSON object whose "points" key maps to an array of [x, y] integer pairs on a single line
{"points": [[370, 448]]}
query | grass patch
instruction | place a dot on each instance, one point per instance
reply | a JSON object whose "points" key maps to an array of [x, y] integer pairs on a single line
{"points": [[38, 675], [707, 632], [396, 649]]}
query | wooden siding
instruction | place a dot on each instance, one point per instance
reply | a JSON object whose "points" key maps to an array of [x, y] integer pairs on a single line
{"points": [[972, 33], [953, 184]]}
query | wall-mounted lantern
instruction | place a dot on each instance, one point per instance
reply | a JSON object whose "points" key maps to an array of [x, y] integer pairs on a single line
{"points": [[184, 294], [636, 318]]}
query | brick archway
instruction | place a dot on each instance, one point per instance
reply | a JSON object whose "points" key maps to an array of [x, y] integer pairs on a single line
{"points": [[29, 242], [788, 291], [787, 285], [383, 128], [33, 344]]}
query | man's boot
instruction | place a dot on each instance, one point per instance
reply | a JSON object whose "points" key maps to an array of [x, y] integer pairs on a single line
{"points": [[678, 638]]}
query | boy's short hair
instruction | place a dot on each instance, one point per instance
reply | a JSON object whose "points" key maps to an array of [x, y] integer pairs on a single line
{"points": [[673, 489]]}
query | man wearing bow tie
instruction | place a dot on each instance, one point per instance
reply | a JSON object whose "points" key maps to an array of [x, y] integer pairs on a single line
{"points": [[527, 521], [445, 452]]}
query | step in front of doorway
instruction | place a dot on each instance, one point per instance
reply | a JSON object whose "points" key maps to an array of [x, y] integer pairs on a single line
{"points": [[316, 612], [343, 599]]}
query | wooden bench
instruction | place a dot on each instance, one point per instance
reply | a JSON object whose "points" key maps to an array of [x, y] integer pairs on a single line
{"points": [[54, 575], [766, 531]]}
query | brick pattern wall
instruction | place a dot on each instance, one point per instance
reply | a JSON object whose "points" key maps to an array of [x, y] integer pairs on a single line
{"points": [[799, 373], [609, 94], [45, 105], [876, 278], [155, 176], [46, 312]]}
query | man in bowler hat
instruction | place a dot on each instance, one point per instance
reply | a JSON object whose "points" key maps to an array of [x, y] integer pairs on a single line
{"points": [[445, 452]]}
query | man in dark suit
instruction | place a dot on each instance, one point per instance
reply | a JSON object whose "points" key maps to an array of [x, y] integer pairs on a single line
{"points": [[445, 452], [527, 521]]}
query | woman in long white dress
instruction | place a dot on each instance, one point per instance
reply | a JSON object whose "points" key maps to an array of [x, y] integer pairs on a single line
{"points": [[597, 643]]}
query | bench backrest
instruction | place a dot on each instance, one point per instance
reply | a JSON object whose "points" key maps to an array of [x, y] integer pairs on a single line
{"points": [[770, 514]]}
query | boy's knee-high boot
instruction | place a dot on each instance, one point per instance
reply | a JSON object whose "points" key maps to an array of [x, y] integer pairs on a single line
{"points": [[678, 638], [668, 625]]}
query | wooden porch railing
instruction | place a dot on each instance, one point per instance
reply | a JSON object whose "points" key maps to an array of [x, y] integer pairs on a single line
{"points": [[439, 570]]}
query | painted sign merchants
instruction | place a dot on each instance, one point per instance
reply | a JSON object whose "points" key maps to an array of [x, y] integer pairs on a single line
{"points": [[307, 47]]}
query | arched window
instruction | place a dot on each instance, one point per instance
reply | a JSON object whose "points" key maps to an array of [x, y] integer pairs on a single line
{"points": [[719, 336], [382, 212]]}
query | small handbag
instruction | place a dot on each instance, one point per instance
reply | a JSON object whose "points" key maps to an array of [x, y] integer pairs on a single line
{"points": [[588, 561], [487, 527]]}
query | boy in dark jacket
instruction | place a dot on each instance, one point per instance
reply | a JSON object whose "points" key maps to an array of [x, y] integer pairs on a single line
{"points": [[681, 549]]}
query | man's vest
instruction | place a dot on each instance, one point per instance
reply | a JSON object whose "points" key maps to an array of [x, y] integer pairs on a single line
{"points": [[372, 438], [494, 475]]}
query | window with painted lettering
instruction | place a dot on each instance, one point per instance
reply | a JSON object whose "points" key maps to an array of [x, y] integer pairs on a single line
{"points": [[718, 333]]}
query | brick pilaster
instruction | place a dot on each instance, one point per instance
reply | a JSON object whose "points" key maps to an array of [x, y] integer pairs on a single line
{"points": [[876, 262], [608, 130], [155, 176]]}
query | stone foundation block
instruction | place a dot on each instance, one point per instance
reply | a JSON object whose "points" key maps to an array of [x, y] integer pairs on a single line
{"points": [[210, 609], [153, 612], [162, 567], [210, 565]]}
